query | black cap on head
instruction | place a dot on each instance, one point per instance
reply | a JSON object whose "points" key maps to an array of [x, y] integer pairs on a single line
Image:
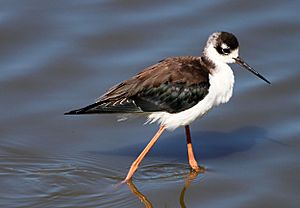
{"points": [[226, 42], [229, 39]]}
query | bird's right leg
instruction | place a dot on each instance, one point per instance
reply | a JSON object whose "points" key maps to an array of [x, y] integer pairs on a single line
{"points": [[139, 159]]}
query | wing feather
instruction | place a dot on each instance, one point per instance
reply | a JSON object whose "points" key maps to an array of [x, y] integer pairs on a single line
{"points": [[172, 85]]}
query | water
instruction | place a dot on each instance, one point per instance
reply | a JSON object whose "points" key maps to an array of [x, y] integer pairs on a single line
{"points": [[59, 55]]}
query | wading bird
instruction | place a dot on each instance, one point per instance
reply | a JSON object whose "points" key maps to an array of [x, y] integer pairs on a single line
{"points": [[176, 91]]}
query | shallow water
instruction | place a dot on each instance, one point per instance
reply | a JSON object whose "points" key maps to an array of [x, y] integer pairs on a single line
{"points": [[60, 55]]}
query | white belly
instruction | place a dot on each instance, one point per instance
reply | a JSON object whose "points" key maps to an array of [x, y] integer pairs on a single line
{"points": [[220, 91]]}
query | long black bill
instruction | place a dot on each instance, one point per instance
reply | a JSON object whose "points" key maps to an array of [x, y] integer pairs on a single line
{"points": [[240, 61]]}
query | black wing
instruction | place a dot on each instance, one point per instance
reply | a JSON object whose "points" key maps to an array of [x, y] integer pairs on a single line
{"points": [[172, 85], [171, 97], [118, 106]]}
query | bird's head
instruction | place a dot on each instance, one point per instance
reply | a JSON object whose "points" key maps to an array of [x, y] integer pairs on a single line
{"points": [[223, 48]]}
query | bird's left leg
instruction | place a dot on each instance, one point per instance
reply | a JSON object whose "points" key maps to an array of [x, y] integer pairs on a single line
{"points": [[193, 163]]}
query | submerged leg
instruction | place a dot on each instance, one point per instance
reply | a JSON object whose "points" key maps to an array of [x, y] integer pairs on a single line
{"points": [[139, 159], [193, 163]]}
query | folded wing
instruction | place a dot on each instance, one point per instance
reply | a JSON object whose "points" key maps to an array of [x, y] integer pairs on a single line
{"points": [[172, 85]]}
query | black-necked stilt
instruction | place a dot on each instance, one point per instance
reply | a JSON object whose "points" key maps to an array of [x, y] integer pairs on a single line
{"points": [[176, 91]]}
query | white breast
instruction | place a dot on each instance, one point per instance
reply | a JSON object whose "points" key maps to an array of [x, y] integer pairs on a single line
{"points": [[220, 90]]}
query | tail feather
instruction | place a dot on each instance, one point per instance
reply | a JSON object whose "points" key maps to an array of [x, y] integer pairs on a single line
{"points": [[119, 106]]}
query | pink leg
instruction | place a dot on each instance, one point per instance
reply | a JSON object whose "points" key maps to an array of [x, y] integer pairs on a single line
{"points": [[139, 159], [193, 163]]}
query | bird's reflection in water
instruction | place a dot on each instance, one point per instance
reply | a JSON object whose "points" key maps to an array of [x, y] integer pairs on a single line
{"points": [[141, 196], [190, 177]]}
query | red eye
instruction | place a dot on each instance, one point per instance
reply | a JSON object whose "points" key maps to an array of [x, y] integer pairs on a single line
{"points": [[225, 51]]}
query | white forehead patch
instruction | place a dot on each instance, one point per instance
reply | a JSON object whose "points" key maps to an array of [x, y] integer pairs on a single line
{"points": [[224, 46]]}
